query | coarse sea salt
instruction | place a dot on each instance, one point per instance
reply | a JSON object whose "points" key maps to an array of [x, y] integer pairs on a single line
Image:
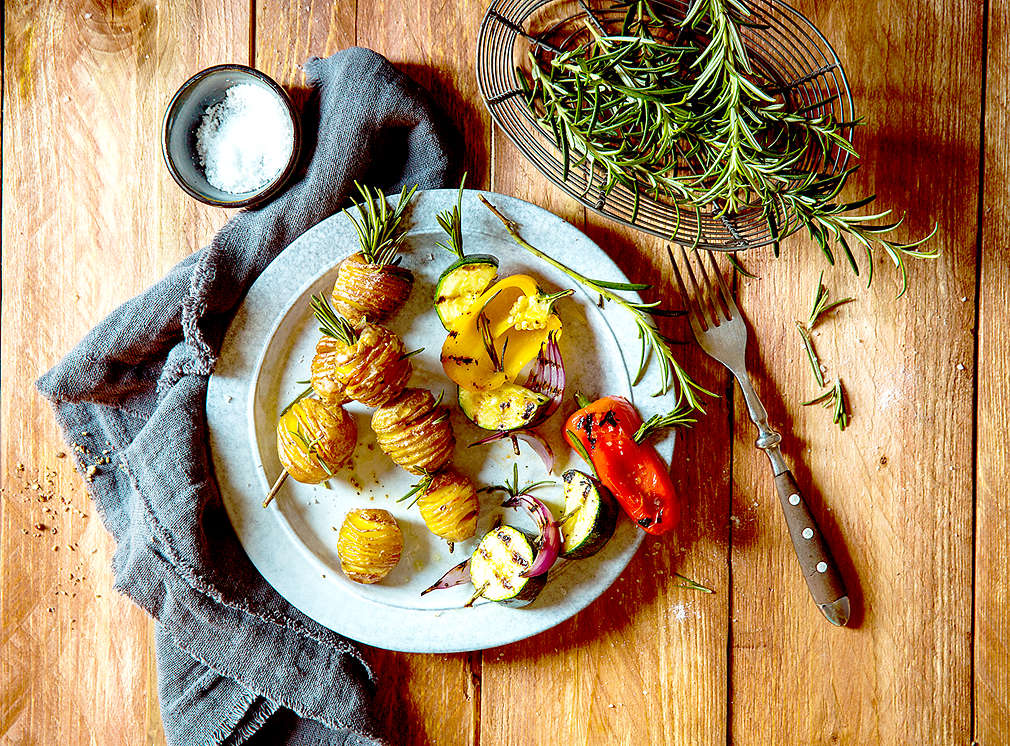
{"points": [[244, 140]]}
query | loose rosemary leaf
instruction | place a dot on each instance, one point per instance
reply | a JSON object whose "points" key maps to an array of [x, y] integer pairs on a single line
{"points": [[821, 304], [835, 399]]}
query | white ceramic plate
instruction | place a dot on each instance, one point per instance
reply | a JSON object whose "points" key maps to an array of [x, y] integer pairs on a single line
{"points": [[267, 351]]}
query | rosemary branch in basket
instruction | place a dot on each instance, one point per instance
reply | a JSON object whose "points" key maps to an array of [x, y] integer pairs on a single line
{"points": [[674, 108]]}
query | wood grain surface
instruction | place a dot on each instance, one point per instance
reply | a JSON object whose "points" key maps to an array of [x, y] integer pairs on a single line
{"points": [[912, 495], [991, 683]]}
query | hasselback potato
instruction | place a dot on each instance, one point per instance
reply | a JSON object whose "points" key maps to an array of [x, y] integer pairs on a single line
{"points": [[414, 431], [374, 369], [367, 363], [314, 440], [367, 291], [449, 506], [369, 545], [371, 285], [323, 371]]}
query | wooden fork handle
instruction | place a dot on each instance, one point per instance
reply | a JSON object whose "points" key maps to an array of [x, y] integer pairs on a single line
{"points": [[819, 569]]}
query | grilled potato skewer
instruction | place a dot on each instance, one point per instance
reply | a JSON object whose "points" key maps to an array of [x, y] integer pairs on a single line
{"points": [[365, 291], [414, 431], [313, 441], [370, 285], [369, 545], [367, 364], [449, 506]]}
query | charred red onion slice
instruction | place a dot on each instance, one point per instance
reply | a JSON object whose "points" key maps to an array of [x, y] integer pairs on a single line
{"points": [[550, 536], [456, 576], [548, 377], [536, 441]]}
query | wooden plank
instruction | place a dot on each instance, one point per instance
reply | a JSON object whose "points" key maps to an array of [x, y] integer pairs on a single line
{"points": [[84, 192], [435, 44], [606, 675], [992, 522], [894, 491], [602, 675]]}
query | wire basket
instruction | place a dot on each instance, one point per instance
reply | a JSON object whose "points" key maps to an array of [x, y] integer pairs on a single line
{"points": [[784, 47]]}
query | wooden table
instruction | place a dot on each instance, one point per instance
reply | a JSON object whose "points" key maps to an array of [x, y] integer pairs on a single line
{"points": [[913, 490]]}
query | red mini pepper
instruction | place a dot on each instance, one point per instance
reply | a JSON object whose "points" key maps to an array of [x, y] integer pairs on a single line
{"points": [[634, 472]]}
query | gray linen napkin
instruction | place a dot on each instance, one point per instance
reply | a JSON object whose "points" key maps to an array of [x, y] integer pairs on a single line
{"points": [[236, 663]]}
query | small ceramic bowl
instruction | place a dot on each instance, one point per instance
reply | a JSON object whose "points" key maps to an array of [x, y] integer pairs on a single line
{"points": [[183, 116]]}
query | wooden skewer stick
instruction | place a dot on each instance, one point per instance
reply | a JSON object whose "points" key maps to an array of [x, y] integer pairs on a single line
{"points": [[276, 488]]}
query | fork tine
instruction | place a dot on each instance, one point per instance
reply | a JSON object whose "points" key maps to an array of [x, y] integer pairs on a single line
{"points": [[699, 297], [711, 295], [727, 296], [692, 312]]}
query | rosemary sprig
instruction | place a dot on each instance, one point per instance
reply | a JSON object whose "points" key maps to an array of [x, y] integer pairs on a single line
{"points": [[445, 412], [484, 326], [815, 363], [379, 226], [813, 202], [835, 399], [654, 344], [692, 585], [331, 323], [311, 447], [512, 489], [674, 108], [680, 416], [821, 304], [418, 489], [451, 222]]}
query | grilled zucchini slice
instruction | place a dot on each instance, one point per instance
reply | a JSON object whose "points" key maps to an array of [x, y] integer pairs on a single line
{"points": [[497, 565], [508, 407], [461, 285], [592, 515]]}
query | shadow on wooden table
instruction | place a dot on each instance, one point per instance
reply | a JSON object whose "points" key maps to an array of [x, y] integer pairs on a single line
{"points": [[446, 686]]}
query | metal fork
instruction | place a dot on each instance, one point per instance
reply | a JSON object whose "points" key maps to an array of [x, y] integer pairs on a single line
{"points": [[720, 330]]}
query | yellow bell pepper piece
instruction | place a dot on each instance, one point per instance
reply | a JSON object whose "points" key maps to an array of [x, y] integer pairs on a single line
{"points": [[502, 332]]}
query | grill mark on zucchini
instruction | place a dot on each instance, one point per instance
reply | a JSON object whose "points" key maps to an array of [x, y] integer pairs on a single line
{"points": [[591, 515]]}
